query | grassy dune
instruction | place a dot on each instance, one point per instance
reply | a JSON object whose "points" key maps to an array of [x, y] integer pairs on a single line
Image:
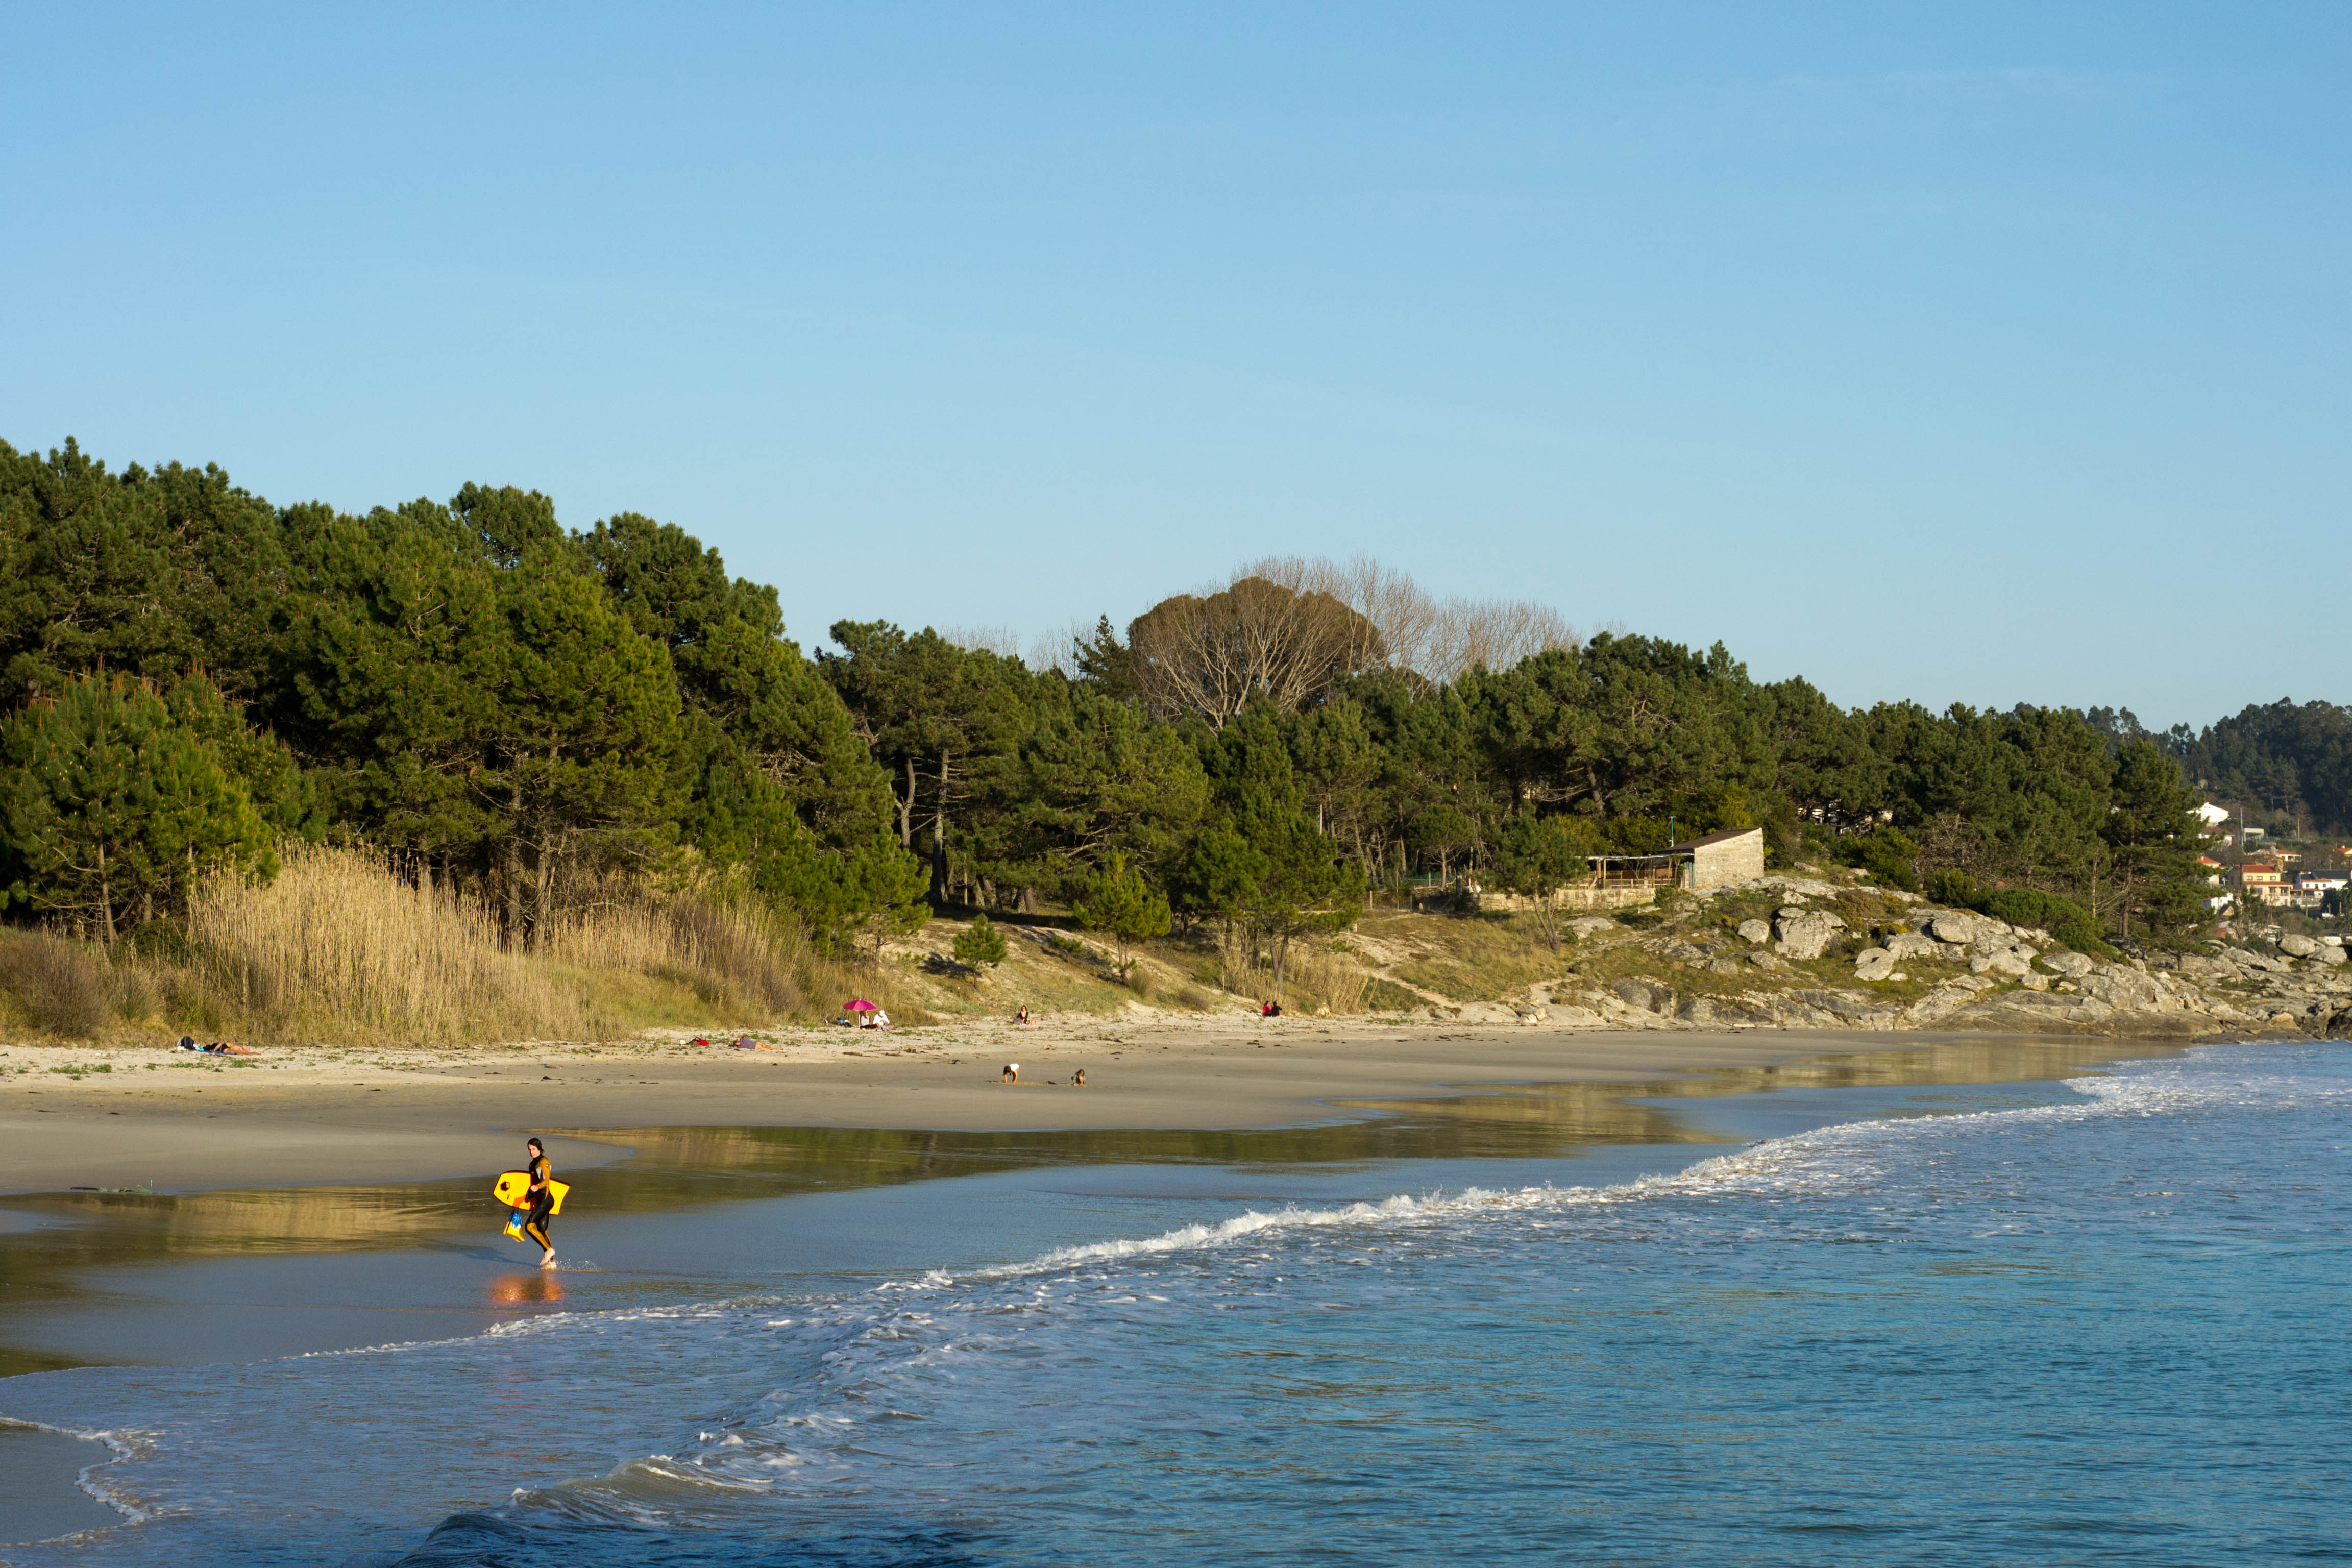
{"points": [[337, 949]]}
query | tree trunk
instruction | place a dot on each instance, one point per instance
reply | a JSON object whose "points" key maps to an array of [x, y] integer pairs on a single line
{"points": [[940, 834], [514, 932], [907, 809], [105, 898], [546, 892], [1028, 900], [1281, 958]]}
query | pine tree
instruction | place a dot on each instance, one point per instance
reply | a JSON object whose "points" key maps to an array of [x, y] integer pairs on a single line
{"points": [[112, 809], [982, 944], [1121, 903]]}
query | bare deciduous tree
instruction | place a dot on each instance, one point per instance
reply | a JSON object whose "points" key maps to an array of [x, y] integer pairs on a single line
{"points": [[1441, 640], [1210, 654]]}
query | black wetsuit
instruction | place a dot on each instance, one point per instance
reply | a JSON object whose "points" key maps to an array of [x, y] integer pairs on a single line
{"points": [[542, 1207]]}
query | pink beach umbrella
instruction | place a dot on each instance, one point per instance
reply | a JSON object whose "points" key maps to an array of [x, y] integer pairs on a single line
{"points": [[862, 1006]]}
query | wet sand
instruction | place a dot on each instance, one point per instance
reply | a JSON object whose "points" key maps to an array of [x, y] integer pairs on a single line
{"points": [[323, 1206], [288, 1118]]}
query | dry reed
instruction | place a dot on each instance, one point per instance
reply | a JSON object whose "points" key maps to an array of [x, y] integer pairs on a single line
{"points": [[339, 947], [338, 944], [1322, 974]]}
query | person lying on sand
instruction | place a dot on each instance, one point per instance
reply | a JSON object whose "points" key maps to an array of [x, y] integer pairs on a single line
{"points": [[217, 1049]]}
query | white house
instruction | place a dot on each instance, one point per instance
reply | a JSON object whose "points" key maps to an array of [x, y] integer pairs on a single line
{"points": [[2212, 816]]}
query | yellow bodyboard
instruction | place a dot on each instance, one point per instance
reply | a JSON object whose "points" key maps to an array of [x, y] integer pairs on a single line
{"points": [[512, 1189]]}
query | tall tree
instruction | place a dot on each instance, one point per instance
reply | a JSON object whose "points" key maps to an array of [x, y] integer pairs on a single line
{"points": [[112, 809], [938, 715]]}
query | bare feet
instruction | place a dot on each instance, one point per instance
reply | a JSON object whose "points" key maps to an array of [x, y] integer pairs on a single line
{"points": [[548, 1261]]}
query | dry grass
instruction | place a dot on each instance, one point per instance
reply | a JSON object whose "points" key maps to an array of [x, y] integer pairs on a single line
{"points": [[1313, 975], [336, 945], [337, 948]]}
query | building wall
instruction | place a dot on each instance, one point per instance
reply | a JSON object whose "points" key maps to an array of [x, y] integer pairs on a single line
{"points": [[1736, 859]]}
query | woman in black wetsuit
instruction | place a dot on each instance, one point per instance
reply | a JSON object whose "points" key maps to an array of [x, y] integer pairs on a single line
{"points": [[543, 1202]]}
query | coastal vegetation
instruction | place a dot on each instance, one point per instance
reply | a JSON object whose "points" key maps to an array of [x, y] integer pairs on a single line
{"points": [[444, 768]]}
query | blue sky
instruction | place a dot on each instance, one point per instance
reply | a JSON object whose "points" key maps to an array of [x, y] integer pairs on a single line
{"points": [[1989, 353]]}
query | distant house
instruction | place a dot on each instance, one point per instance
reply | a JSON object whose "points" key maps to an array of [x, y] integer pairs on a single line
{"points": [[2212, 816], [2212, 868], [2322, 882], [1713, 861], [2264, 881]]}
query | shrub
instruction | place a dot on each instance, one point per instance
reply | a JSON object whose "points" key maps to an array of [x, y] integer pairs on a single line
{"points": [[1884, 853], [2079, 936], [61, 985], [982, 944], [2032, 907]]}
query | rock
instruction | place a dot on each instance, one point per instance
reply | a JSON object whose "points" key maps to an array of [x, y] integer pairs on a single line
{"points": [[1485, 1012], [1650, 996], [1874, 964], [2070, 965], [1808, 932], [2033, 982], [1585, 925], [1763, 958], [1756, 930], [1911, 945], [1962, 927], [1677, 950], [2247, 958], [2000, 956], [1724, 967], [1790, 911], [2329, 955], [1860, 1011], [2124, 989], [2297, 946]]}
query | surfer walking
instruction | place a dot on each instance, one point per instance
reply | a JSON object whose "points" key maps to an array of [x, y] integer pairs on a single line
{"points": [[543, 1202]]}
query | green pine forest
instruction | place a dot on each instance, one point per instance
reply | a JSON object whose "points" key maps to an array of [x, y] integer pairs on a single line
{"points": [[527, 718]]}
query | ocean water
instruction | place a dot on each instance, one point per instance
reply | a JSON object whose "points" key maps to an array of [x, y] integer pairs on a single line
{"points": [[2100, 1323]]}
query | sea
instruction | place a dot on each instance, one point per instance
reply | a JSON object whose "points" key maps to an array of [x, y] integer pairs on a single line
{"points": [[2094, 1319]]}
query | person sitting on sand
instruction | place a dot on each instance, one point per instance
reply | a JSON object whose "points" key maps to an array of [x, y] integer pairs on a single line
{"points": [[1270, 1010], [1022, 1017], [1012, 1073], [1078, 1079], [881, 1019]]}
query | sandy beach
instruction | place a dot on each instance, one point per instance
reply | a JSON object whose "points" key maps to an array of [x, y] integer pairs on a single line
{"points": [[174, 1121], [297, 1202]]}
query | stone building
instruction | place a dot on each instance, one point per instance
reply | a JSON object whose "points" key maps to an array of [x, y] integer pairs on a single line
{"points": [[1716, 859]]}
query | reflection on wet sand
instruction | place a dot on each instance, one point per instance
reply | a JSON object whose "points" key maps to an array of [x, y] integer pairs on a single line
{"points": [[67, 1262], [536, 1289]]}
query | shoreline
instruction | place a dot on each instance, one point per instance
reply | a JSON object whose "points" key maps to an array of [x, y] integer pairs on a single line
{"points": [[406, 1120], [169, 1120]]}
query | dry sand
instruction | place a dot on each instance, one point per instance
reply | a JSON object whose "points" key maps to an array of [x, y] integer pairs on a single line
{"points": [[175, 1120]]}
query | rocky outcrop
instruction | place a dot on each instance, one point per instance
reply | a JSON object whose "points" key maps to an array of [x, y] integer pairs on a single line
{"points": [[1765, 973], [1875, 964], [1650, 996], [2000, 955], [1804, 934]]}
